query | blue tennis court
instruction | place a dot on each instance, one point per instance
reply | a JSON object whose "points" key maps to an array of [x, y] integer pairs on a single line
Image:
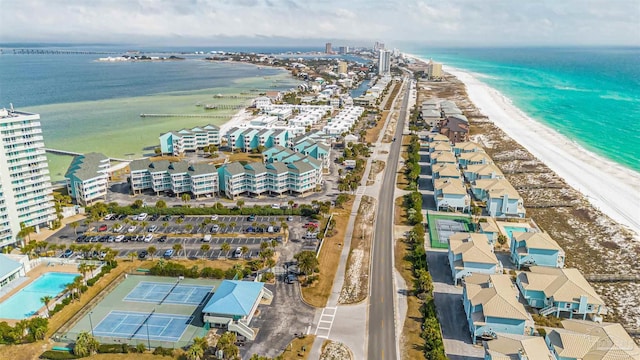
{"points": [[132, 325], [167, 293]]}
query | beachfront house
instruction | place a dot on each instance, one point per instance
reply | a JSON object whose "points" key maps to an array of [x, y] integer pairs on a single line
{"points": [[474, 158], [491, 306], [455, 128], [517, 347], [248, 139], [490, 229], [445, 171], [233, 305], [87, 178], [173, 177], [438, 138], [561, 293], [439, 146], [482, 171], [501, 198], [535, 248], [12, 267], [440, 157], [451, 195], [317, 150], [466, 147], [471, 253], [178, 142], [578, 340]]}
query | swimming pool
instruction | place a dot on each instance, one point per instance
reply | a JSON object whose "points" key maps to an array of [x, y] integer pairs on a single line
{"points": [[26, 302], [511, 229]]}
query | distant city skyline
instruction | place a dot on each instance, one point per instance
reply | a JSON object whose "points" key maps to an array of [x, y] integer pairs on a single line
{"points": [[357, 22]]}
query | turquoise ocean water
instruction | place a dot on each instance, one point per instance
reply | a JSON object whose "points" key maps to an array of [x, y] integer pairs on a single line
{"points": [[590, 95]]}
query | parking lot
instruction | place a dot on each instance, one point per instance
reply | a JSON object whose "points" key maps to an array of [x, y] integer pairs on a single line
{"points": [[128, 234]]}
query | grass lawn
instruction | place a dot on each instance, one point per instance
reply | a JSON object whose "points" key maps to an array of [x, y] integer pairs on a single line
{"points": [[373, 133], [294, 349], [433, 231], [244, 156], [318, 293]]}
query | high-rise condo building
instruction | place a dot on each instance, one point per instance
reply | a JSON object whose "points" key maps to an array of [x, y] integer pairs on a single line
{"points": [[343, 50], [328, 49], [434, 70], [342, 67], [384, 62], [25, 186], [378, 46]]}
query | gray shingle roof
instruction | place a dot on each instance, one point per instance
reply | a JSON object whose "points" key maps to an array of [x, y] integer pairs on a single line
{"points": [[86, 166]]}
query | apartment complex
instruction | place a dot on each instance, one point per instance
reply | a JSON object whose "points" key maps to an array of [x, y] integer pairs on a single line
{"points": [[298, 177], [173, 177], [177, 142], [88, 178], [25, 186]]}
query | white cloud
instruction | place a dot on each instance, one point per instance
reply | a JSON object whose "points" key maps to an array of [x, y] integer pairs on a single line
{"points": [[455, 22]]}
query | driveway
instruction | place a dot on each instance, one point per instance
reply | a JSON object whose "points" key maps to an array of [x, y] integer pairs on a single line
{"points": [[448, 300]]}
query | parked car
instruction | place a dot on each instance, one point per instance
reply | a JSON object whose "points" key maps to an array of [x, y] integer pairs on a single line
{"points": [[214, 217], [168, 253], [67, 253], [142, 254], [122, 216], [111, 238], [148, 238], [237, 253], [206, 238], [275, 206], [131, 228], [154, 217], [215, 228], [251, 217], [162, 238], [289, 218], [119, 238], [81, 238], [117, 228], [166, 218], [153, 228], [142, 216], [109, 216], [102, 227]]}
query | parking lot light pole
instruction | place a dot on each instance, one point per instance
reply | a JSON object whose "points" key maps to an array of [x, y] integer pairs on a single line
{"points": [[91, 322]]}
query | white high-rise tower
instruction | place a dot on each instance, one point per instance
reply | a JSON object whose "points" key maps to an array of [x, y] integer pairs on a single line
{"points": [[384, 62], [25, 186]]}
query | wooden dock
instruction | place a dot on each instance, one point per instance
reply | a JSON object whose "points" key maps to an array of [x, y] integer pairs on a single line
{"points": [[186, 115]]}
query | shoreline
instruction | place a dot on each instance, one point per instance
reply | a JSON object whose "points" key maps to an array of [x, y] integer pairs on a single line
{"points": [[608, 186]]}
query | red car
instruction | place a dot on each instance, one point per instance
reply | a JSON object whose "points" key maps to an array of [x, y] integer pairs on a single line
{"points": [[102, 228]]}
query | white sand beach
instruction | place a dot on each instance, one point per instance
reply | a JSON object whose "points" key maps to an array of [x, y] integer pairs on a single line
{"points": [[611, 188], [240, 118]]}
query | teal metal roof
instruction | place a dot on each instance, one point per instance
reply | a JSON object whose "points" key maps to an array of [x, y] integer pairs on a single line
{"points": [[234, 297], [8, 266]]}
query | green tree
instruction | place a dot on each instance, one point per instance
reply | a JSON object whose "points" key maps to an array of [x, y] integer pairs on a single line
{"points": [[195, 352], [424, 283], [152, 251], [85, 345], [240, 204], [227, 343], [177, 248], [225, 247], [502, 239], [307, 262], [132, 255], [161, 204], [137, 204], [46, 300], [83, 269], [74, 225], [185, 198], [188, 227]]}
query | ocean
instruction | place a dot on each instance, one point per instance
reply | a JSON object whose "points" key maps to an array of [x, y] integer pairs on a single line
{"points": [[589, 95]]}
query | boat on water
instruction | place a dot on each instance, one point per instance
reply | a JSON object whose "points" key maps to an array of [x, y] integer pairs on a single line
{"points": [[210, 107]]}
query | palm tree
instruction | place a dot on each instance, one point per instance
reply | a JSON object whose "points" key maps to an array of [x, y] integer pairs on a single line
{"points": [[74, 225], [144, 224], [132, 255], [188, 227], [165, 224], [205, 248], [244, 249], [179, 220], [85, 345], [240, 204], [225, 247], [83, 269], [291, 202], [177, 248], [91, 267], [232, 224], [152, 250], [195, 352], [45, 300], [185, 198]]}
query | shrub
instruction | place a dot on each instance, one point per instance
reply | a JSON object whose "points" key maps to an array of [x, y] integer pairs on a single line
{"points": [[162, 351], [268, 276], [112, 349], [57, 355]]}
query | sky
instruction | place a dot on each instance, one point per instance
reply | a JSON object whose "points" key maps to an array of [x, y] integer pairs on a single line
{"points": [[296, 22]]}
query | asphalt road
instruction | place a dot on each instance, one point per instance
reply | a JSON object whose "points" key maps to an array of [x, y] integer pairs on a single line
{"points": [[381, 334]]}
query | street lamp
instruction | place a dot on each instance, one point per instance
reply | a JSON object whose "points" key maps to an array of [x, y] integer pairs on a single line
{"points": [[91, 322]]}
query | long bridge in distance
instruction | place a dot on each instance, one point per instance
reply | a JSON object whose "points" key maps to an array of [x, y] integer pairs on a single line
{"points": [[59, 52]]}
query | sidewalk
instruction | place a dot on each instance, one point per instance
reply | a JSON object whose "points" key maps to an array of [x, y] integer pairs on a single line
{"points": [[349, 322]]}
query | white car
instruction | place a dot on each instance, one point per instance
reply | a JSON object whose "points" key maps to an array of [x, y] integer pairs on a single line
{"points": [[275, 206], [148, 238], [142, 216], [117, 228], [214, 217], [119, 238], [215, 228], [131, 229]]}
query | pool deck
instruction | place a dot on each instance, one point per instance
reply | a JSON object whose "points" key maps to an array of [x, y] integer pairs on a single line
{"points": [[33, 275]]}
